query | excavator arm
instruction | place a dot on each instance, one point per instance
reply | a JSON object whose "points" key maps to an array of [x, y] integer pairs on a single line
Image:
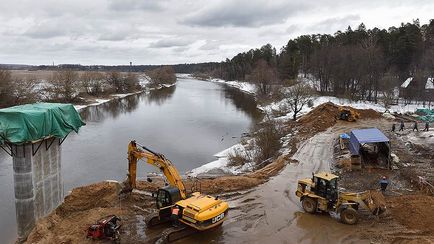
{"points": [[158, 160]]}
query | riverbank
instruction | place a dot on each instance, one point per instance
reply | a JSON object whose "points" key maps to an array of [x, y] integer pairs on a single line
{"points": [[99, 101], [310, 150], [262, 202]]}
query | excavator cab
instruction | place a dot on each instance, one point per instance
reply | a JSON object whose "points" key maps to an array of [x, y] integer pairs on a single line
{"points": [[166, 198]]}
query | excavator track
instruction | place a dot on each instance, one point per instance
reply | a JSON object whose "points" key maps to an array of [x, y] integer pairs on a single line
{"points": [[153, 219], [175, 233]]}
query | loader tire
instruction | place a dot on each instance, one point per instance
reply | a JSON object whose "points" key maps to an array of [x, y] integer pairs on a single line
{"points": [[349, 216], [309, 205]]}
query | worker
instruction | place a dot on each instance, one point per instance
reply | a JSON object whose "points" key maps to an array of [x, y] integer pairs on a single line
{"points": [[393, 127], [384, 183], [401, 126], [415, 126], [175, 216], [426, 126]]}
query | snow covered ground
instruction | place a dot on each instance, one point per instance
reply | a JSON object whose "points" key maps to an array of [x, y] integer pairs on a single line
{"points": [[221, 162], [242, 85]]}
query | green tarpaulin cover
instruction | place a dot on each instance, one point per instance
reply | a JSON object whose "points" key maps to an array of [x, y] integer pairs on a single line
{"points": [[426, 114], [32, 122]]}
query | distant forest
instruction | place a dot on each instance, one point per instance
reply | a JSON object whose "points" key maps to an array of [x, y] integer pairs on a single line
{"points": [[359, 63]]}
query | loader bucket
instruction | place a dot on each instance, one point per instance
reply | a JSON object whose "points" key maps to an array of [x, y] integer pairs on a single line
{"points": [[378, 202]]}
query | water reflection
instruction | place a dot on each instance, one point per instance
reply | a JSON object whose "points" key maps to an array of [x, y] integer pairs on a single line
{"points": [[160, 96], [242, 101], [111, 109]]}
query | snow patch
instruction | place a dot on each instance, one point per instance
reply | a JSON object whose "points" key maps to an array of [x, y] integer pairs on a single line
{"points": [[407, 82], [429, 83], [242, 85], [221, 163]]}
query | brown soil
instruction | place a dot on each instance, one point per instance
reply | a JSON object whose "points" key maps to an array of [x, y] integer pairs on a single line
{"points": [[326, 115], [226, 184], [413, 211], [85, 205]]}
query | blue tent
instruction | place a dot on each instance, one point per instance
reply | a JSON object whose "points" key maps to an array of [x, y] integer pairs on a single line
{"points": [[371, 135]]}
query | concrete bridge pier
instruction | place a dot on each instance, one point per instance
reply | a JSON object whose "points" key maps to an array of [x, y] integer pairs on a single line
{"points": [[37, 181]]}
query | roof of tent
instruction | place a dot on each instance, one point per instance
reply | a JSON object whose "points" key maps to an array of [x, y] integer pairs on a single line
{"points": [[362, 136], [370, 135]]}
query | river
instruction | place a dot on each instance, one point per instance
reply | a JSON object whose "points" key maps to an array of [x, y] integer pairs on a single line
{"points": [[189, 123]]}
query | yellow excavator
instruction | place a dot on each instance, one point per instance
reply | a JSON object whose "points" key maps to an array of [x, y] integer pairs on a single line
{"points": [[348, 114], [320, 193], [197, 212]]}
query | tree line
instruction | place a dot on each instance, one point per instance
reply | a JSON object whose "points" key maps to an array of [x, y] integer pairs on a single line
{"points": [[359, 64], [72, 86]]}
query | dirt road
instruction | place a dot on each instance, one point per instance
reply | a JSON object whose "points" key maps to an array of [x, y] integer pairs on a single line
{"points": [[271, 212]]}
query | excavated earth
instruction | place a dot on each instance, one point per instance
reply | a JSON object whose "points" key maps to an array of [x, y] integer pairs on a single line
{"points": [[262, 203]]}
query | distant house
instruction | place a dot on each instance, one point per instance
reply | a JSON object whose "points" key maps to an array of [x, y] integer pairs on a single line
{"points": [[418, 89]]}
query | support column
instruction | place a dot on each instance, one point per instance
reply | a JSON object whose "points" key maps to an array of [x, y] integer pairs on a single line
{"points": [[37, 181]]}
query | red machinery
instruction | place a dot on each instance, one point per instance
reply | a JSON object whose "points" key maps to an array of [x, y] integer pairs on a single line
{"points": [[105, 228]]}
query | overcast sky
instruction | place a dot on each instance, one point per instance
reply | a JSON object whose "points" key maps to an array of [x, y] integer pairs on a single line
{"points": [[176, 31]]}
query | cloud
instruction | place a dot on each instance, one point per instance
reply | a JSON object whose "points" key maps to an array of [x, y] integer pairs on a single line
{"points": [[243, 13], [133, 5], [338, 23], [178, 31], [170, 42], [210, 45]]}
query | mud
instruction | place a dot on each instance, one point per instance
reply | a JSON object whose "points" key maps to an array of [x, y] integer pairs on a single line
{"points": [[263, 206]]}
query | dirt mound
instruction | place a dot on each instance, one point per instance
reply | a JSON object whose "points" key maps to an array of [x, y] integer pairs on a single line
{"points": [[326, 115], [84, 206], [413, 211], [102, 194]]}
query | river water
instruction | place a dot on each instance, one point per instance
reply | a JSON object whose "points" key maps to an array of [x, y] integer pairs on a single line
{"points": [[188, 123]]}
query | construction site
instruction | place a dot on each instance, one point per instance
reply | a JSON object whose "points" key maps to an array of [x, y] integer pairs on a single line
{"points": [[341, 184]]}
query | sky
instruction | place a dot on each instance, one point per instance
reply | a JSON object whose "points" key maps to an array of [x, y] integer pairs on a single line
{"points": [[176, 31]]}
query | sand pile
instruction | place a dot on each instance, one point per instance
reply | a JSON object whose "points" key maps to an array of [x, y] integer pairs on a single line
{"points": [[85, 205], [102, 194], [326, 115], [413, 211]]}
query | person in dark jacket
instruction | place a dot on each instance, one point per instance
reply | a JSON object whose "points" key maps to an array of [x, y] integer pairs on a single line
{"points": [[393, 127], [401, 126], [426, 126], [384, 183], [415, 126]]}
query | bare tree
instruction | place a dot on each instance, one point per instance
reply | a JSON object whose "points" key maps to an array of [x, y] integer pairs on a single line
{"points": [[263, 76], [387, 88], [64, 85], [115, 80], [25, 91], [162, 75], [92, 82], [6, 83], [131, 82], [298, 97]]}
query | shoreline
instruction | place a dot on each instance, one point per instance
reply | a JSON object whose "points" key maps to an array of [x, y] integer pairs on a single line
{"points": [[100, 101]]}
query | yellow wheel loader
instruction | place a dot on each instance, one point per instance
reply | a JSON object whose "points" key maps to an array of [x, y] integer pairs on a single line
{"points": [[320, 194], [348, 114], [197, 212]]}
